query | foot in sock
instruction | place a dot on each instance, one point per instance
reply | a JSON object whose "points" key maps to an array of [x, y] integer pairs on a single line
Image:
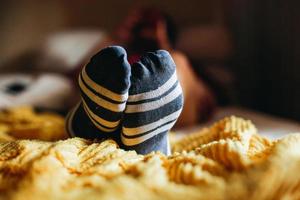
{"points": [[153, 106], [104, 84], [154, 103]]}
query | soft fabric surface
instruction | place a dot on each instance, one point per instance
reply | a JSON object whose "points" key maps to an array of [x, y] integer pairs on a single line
{"points": [[228, 160]]}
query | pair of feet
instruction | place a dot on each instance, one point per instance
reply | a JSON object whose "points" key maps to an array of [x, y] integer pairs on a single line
{"points": [[136, 105]]}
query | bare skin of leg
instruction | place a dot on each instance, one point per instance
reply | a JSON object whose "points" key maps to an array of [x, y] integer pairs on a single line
{"points": [[199, 100]]}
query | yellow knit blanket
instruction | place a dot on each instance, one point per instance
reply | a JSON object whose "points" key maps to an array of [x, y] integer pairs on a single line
{"points": [[228, 160]]}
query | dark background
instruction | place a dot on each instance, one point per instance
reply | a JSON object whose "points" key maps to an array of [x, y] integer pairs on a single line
{"points": [[261, 49]]}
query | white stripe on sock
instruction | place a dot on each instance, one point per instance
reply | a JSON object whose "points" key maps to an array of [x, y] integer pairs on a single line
{"points": [[109, 124], [101, 102], [168, 145], [135, 141], [97, 125], [151, 126], [104, 91], [70, 120], [154, 93], [155, 104]]}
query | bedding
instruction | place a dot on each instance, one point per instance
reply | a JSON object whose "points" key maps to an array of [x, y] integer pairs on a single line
{"points": [[228, 160]]}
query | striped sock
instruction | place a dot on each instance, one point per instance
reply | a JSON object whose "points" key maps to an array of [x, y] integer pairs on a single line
{"points": [[154, 103], [104, 84]]}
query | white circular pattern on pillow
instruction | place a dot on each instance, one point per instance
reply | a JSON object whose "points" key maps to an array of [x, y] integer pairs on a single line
{"points": [[49, 91]]}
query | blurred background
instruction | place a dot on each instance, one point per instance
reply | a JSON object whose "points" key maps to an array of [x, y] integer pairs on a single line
{"points": [[242, 54]]}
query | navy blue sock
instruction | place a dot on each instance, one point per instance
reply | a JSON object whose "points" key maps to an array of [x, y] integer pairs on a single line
{"points": [[154, 103], [152, 107], [104, 84]]}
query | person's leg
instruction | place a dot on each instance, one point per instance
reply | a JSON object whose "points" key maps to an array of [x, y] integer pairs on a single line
{"points": [[104, 84], [154, 104]]}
